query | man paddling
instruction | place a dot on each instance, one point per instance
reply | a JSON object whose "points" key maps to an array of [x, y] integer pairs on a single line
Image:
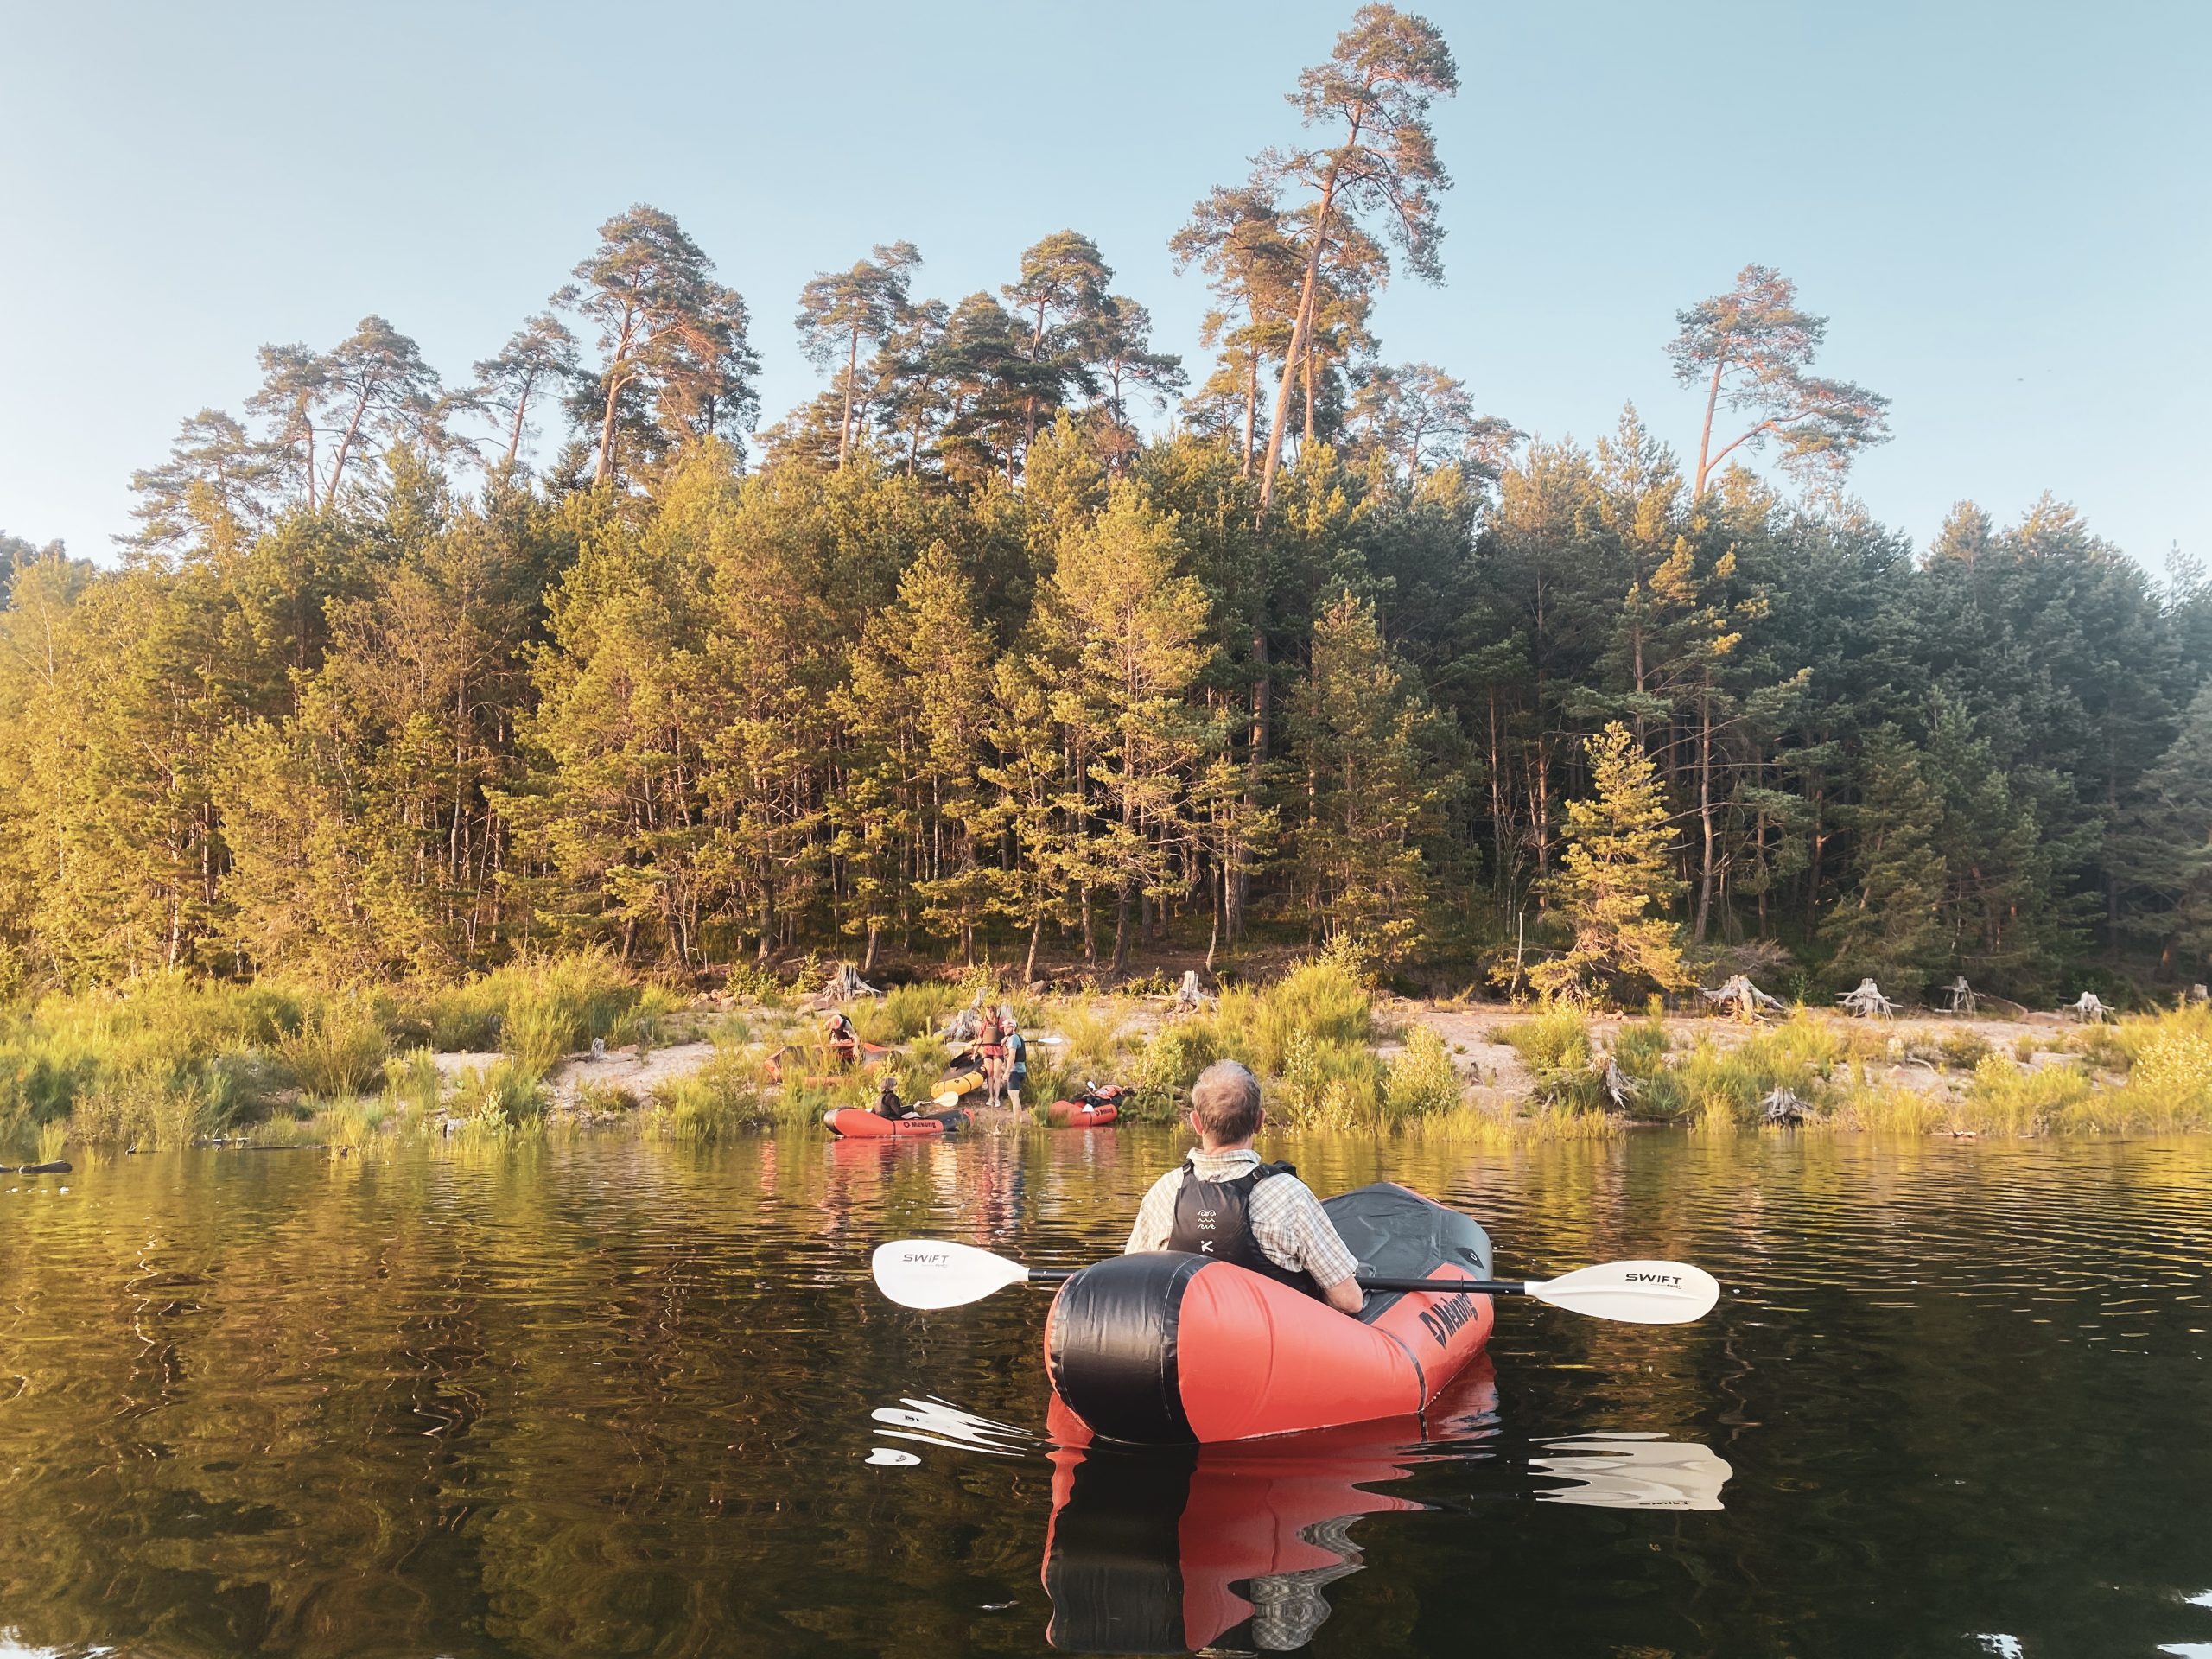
{"points": [[1225, 1204]]}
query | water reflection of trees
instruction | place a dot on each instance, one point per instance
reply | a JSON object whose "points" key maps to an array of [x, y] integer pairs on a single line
{"points": [[609, 1397]]}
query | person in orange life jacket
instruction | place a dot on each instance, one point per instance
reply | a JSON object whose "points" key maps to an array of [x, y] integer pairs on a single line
{"points": [[1225, 1204], [844, 1041]]}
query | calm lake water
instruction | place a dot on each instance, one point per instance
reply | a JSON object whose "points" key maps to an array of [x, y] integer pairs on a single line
{"points": [[607, 1398]]}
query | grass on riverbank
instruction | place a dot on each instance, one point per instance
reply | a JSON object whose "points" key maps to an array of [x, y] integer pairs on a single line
{"points": [[2147, 1074], [1311, 1037], [164, 1062]]}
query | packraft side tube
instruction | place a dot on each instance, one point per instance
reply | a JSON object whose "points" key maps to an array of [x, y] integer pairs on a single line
{"points": [[1167, 1347], [855, 1124], [1075, 1114]]}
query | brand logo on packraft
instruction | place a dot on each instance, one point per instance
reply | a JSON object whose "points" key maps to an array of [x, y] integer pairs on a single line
{"points": [[1443, 1320]]}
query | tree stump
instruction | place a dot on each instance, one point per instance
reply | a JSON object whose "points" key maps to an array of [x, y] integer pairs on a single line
{"points": [[1187, 998], [846, 983], [1620, 1088], [1741, 998], [1867, 1002], [1783, 1107]]}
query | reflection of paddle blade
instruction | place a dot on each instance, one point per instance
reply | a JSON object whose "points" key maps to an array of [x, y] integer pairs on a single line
{"points": [[933, 1422], [1631, 1471]]}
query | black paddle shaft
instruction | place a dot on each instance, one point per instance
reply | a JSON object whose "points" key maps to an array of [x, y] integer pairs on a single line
{"points": [[1434, 1287]]}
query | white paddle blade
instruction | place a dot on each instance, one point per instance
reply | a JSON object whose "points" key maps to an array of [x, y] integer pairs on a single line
{"points": [[1639, 1292], [928, 1273]]}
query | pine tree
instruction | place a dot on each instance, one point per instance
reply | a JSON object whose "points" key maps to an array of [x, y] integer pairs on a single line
{"points": [[1885, 922], [1368, 796], [1377, 156], [2164, 848], [1752, 348], [840, 310], [919, 705], [1127, 645], [1033, 810], [1615, 879]]}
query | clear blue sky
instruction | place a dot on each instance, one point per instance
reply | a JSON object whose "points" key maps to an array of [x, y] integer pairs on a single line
{"points": [[2003, 208]]}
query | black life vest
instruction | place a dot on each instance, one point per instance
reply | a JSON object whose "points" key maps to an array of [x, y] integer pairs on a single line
{"points": [[1214, 1219]]}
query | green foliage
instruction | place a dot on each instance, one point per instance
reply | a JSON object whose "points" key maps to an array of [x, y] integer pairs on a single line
{"points": [[339, 1051], [2162, 843], [971, 665], [1642, 1048], [547, 1006], [1319, 1001], [498, 1096], [1555, 1039], [1957, 1049], [722, 1098], [413, 1080], [1615, 880], [1374, 795], [905, 1011], [1326, 1086], [2011, 1099], [162, 1060], [1164, 1069], [1719, 1086], [1094, 1038], [1421, 1081], [1887, 925]]}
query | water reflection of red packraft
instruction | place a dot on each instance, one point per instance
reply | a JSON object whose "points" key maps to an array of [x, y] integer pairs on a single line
{"points": [[1155, 1549], [855, 1124], [1165, 1347], [1093, 1109]]}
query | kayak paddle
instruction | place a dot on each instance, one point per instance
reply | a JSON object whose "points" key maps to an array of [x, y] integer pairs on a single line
{"points": [[928, 1273]]}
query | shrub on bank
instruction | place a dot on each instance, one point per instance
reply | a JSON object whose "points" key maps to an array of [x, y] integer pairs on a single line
{"points": [[1554, 1045], [163, 1061], [1720, 1087], [1327, 1085], [719, 1099], [500, 1096], [156, 1062], [904, 1012], [1420, 1080], [1308, 1036], [338, 1049], [1323, 1001], [539, 1008]]}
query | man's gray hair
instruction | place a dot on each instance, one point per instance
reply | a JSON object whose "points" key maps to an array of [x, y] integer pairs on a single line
{"points": [[1226, 1098]]}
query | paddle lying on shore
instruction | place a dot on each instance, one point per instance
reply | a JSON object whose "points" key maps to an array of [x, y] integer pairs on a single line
{"points": [[927, 1274]]}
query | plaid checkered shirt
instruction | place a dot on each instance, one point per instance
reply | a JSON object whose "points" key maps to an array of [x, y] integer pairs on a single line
{"points": [[1291, 1229]]}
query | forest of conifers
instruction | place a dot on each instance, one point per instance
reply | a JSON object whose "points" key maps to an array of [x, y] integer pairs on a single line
{"points": [[1029, 638]]}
